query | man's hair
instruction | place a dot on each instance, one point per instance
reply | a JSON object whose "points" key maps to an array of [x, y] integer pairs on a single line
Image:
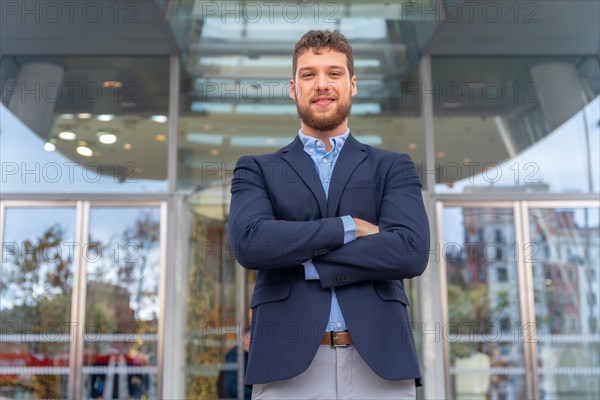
{"points": [[323, 40]]}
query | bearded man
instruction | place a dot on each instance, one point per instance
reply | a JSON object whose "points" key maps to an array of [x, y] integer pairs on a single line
{"points": [[333, 227]]}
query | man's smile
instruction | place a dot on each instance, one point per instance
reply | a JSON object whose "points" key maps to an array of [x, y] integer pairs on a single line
{"points": [[323, 101]]}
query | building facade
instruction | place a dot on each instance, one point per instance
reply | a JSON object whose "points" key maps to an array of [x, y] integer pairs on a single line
{"points": [[121, 123]]}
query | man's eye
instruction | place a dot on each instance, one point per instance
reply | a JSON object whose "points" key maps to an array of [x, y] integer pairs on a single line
{"points": [[335, 74], [307, 75]]}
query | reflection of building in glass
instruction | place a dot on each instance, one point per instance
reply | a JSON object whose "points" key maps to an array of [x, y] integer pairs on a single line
{"points": [[486, 274], [566, 266], [567, 284], [558, 279]]}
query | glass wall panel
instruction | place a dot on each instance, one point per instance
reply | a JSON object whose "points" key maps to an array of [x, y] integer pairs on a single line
{"points": [[36, 285], [503, 124], [236, 67], [484, 323], [235, 88], [235, 101], [84, 124], [216, 300], [122, 303], [566, 269]]}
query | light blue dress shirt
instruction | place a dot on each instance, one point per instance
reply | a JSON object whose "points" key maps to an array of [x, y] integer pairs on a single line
{"points": [[325, 162]]}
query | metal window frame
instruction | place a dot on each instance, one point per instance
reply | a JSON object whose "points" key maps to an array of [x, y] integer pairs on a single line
{"points": [[174, 253], [430, 311]]}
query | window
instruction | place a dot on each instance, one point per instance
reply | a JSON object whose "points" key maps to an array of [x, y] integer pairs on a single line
{"points": [[103, 131]]}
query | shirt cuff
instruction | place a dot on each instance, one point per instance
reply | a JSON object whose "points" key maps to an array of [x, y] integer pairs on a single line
{"points": [[310, 272], [349, 229]]}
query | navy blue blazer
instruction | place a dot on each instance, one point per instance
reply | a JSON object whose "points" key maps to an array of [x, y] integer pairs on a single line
{"points": [[280, 218]]}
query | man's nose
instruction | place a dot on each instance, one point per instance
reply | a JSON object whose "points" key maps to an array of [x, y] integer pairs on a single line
{"points": [[323, 83]]}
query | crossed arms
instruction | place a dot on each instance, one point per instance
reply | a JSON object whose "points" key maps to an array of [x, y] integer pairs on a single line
{"points": [[396, 249]]}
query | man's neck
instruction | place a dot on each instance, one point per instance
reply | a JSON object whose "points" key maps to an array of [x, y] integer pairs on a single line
{"points": [[324, 136]]}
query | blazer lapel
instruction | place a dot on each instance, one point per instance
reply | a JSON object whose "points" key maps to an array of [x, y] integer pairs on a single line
{"points": [[352, 154], [304, 166]]}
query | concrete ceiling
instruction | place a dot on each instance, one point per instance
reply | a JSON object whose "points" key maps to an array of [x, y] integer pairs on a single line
{"points": [[136, 27], [133, 27], [557, 27]]}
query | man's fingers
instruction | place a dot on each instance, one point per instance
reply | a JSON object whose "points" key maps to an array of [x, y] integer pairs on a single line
{"points": [[364, 228]]}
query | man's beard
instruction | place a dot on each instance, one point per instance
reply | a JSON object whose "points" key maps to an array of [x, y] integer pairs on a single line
{"points": [[321, 122]]}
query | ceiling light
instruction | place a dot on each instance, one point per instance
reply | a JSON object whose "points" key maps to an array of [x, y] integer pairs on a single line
{"points": [[112, 84], [160, 137], [84, 115], [412, 146], [214, 152], [106, 138], [127, 146], [159, 118], [105, 117], [67, 116], [49, 147], [66, 135], [85, 151], [440, 153]]}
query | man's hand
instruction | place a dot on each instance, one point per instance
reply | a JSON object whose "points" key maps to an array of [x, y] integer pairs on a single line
{"points": [[364, 228]]}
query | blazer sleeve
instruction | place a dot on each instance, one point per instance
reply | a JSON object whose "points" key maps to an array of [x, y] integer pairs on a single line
{"points": [[259, 240], [401, 248]]}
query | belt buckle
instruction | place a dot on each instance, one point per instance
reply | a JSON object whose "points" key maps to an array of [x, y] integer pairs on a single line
{"points": [[332, 340]]}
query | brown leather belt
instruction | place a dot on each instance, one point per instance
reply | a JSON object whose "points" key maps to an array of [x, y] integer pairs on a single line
{"points": [[334, 339]]}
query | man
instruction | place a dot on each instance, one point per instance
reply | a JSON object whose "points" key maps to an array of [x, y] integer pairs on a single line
{"points": [[333, 227], [227, 383]]}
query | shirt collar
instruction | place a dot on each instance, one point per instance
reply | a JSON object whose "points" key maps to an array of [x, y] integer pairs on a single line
{"points": [[311, 143]]}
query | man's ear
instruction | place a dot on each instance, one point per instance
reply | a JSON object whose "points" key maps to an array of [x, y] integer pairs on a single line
{"points": [[292, 89], [353, 84]]}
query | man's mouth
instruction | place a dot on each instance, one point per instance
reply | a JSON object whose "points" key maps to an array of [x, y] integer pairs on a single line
{"points": [[323, 100]]}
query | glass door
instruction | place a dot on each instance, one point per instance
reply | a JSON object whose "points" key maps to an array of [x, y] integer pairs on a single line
{"points": [[80, 299], [122, 313], [39, 259], [521, 307], [566, 270], [483, 327], [218, 291]]}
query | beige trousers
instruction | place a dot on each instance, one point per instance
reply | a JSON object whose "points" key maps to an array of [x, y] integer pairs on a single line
{"points": [[336, 373]]}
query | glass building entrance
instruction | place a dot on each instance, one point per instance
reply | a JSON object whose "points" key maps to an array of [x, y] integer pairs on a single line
{"points": [[118, 140]]}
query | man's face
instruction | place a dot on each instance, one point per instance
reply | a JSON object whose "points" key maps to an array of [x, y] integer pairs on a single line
{"points": [[323, 89]]}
